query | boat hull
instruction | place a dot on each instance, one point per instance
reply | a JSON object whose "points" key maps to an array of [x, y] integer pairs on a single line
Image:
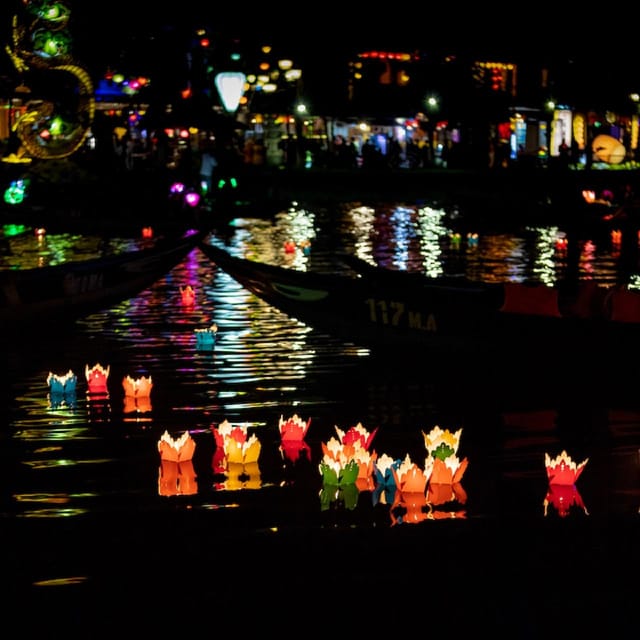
{"points": [[395, 314], [58, 293]]}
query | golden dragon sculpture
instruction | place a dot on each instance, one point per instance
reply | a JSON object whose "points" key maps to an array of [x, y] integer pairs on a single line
{"points": [[56, 125]]}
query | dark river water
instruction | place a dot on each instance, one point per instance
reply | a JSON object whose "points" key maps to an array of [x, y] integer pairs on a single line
{"points": [[95, 516]]}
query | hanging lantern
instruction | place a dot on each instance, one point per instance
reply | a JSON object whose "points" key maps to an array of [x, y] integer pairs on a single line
{"points": [[230, 86]]}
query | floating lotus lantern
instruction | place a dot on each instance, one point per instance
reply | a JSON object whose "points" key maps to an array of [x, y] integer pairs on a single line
{"points": [[305, 245], [562, 469], [344, 462], [62, 390], [226, 430], [177, 478], [338, 482], [441, 443], [188, 296], [242, 453], [61, 384], [137, 387], [292, 434], [137, 394], [294, 429], [234, 447], [562, 493], [385, 484], [97, 377], [442, 465], [221, 433], [357, 434], [336, 472], [206, 338], [334, 450], [409, 477], [176, 450]]}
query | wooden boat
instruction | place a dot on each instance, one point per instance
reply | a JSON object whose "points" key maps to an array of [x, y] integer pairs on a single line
{"points": [[49, 294], [398, 314]]}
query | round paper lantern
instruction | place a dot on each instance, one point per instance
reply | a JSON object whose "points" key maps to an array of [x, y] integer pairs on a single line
{"points": [[608, 149]]}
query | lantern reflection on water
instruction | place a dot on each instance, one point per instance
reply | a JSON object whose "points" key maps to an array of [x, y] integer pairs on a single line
{"points": [[139, 404], [177, 478], [409, 507], [188, 295], [241, 476]]}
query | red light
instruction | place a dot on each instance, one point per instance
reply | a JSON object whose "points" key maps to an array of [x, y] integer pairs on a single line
{"points": [[205, 42]]}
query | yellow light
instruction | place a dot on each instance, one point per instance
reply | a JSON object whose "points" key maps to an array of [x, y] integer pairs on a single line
{"points": [[293, 74]]}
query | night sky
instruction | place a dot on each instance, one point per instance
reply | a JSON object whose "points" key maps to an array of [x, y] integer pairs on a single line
{"points": [[532, 31], [322, 28], [319, 33]]}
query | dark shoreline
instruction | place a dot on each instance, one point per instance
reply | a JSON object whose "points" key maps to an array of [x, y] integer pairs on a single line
{"points": [[143, 196]]}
